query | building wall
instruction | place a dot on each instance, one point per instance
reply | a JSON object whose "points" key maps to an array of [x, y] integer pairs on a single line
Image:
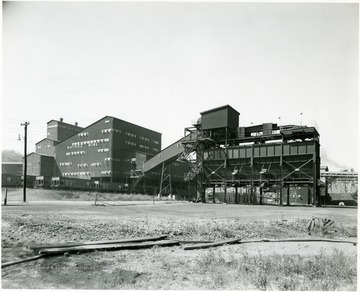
{"points": [[15, 168], [41, 165], [223, 117], [83, 154], [49, 166], [33, 164], [132, 146], [105, 150], [58, 130], [46, 147]]}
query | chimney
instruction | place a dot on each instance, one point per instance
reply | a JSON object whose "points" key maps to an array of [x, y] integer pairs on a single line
{"points": [[76, 123], [61, 119]]}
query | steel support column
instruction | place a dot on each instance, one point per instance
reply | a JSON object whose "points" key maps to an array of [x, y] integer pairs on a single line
{"points": [[288, 196], [213, 196], [315, 178], [236, 195]]}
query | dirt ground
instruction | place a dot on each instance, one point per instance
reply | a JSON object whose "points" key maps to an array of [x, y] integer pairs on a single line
{"points": [[68, 221]]}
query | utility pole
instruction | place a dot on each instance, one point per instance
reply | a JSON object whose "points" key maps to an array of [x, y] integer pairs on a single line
{"points": [[25, 158]]}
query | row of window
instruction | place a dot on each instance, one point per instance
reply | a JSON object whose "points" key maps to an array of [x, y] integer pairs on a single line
{"points": [[75, 153], [106, 172], [141, 146], [130, 143], [144, 138], [130, 134], [95, 164], [65, 163], [88, 143], [107, 159], [103, 150], [77, 173], [83, 134], [46, 146], [83, 164], [110, 130]]}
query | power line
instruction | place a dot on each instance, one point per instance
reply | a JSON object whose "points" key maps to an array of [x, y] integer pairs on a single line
{"points": [[25, 158], [14, 129], [17, 120]]}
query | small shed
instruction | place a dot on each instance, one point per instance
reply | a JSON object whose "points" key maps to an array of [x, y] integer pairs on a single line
{"points": [[220, 117]]}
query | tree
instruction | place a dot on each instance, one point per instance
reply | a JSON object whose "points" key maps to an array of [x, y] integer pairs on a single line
{"points": [[11, 156]]}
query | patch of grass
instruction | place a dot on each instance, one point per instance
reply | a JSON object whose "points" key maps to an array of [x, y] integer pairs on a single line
{"points": [[63, 195], [34, 227], [321, 272]]}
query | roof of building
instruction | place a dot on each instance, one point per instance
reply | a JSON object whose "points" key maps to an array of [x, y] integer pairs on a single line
{"points": [[64, 123], [219, 108], [46, 139], [40, 154], [132, 124], [107, 117]]}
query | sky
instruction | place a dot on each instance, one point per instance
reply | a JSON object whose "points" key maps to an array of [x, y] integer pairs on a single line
{"points": [[159, 65]]}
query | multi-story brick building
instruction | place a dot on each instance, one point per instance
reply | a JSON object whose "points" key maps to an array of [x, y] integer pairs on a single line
{"points": [[106, 151]]}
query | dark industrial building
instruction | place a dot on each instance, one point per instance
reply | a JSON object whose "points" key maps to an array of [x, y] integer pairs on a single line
{"points": [[217, 160]]}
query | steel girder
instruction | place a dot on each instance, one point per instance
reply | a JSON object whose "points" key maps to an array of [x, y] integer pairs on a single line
{"points": [[264, 172]]}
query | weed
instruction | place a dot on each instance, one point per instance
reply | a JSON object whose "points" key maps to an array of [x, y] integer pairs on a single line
{"points": [[295, 272]]}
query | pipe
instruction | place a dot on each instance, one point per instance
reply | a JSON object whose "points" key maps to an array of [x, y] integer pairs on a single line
{"points": [[213, 244], [72, 244], [22, 261], [109, 247]]}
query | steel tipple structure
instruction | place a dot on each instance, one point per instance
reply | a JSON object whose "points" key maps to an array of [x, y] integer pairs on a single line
{"points": [[261, 158]]}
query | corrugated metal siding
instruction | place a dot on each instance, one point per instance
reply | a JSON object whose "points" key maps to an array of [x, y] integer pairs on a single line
{"points": [[12, 168], [221, 118], [33, 164], [264, 150]]}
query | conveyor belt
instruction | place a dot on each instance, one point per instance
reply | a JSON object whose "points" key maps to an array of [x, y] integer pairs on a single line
{"points": [[167, 155]]}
